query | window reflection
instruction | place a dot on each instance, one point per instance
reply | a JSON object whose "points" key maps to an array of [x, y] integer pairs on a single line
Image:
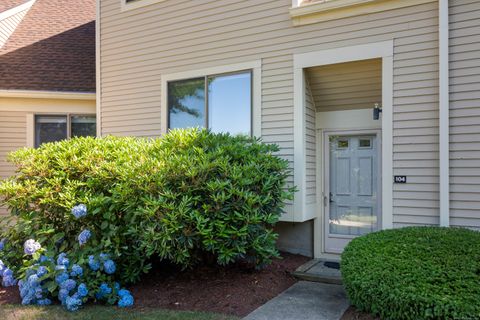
{"points": [[186, 102], [83, 126], [229, 103]]}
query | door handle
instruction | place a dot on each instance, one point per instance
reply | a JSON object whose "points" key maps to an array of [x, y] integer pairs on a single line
{"points": [[331, 198]]}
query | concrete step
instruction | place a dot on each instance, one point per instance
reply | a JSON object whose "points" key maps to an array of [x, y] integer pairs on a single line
{"points": [[319, 270]]}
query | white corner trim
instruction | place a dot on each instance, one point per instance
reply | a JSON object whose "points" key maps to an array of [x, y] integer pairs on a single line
{"points": [[379, 50], [136, 4], [98, 76], [255, 66], [299, 152], [387, 142], [30, 130], [444, 121], [46, 95]]}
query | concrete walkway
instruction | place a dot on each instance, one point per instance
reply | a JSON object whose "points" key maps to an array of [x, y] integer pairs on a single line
{"points": [[304, 301]]}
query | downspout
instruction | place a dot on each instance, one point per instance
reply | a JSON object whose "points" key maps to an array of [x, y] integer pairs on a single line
{"points": [[98, 69], [444, 114]]}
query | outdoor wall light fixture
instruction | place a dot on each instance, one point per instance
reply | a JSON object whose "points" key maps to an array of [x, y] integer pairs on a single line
{"points": [[376, 111]]}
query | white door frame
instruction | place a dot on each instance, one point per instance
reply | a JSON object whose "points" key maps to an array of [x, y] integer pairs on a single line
{"points": [[383, 50], [326, 172]]}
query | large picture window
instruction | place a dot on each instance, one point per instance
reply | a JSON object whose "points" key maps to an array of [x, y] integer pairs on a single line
{"points": [[51, 128], [222, 103]]}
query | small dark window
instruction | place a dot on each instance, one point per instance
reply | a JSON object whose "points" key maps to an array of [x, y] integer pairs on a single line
{"points": [[342, 144], [365, 143], [52, 128]]}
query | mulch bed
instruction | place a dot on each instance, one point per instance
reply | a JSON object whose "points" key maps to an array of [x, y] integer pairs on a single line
{"points": [[354, 314], [234, 290]]}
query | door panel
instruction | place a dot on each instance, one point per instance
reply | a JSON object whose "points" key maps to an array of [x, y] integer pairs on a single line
{"points": [[352, 209]]}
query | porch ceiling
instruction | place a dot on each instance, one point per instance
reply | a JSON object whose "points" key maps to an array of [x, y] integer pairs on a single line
{"points": [[346, 86]]}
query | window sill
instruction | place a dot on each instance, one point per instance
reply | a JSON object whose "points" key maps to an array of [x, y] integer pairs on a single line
{"points": [[137, 4], [338, 9]]}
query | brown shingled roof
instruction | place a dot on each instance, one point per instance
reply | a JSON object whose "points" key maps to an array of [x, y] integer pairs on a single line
{"points": [[53, 48], [9, 4]]}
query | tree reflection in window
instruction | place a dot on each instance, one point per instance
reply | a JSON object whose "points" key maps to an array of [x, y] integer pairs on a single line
{"points": [[186, 100]]}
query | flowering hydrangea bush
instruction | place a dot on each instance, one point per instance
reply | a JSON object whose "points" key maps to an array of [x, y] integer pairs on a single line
{"points": [[143, 200], [68, 278], [47, 279]]}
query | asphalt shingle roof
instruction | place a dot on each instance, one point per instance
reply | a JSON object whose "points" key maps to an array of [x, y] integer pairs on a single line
{"points": [[53, 48]]}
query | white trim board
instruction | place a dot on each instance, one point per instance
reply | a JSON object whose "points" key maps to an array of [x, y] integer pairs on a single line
{"points": [[255, 66], [383, 50], [47, 95]]}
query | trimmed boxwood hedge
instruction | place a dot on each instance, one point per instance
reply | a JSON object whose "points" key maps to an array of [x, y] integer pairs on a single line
{"points": [[415, 273]]}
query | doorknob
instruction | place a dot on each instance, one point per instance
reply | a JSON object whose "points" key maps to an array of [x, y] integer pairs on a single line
{"points": [[331, 198]]}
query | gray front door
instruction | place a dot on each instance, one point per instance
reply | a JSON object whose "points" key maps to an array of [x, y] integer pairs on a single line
{"points": [[352, 199]]}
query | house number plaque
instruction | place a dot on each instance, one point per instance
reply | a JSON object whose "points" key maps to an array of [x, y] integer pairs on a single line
{"points": [[400, 179]]}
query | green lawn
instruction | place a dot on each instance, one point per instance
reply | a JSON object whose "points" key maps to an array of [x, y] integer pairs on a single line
{"points": [[10, 312]]}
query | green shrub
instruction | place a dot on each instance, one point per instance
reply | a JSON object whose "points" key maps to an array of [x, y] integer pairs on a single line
{"points": [[415, 273], [187, 197]]}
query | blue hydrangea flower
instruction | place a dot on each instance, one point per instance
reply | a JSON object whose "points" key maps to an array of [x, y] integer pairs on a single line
{"points": [[2, 267], [84, 236], [7, 272], [62, 277], [8, 281], [68, 284], [33, 280], [82, 290], [62, 260], [44, 259], [79, 211], [123, 292], [62, 295], [109, 267], [126, 301], [31, 246], [73, 303], [103, 290], [41, 271], [2, 244], [93, 263], [77, 271], [44, 302]]}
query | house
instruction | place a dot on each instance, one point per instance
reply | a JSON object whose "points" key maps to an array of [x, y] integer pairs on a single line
{"points": [[47, 73], [375, 103]]}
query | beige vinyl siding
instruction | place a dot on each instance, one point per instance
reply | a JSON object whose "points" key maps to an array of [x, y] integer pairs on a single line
{"points": [[347, 86], [465, 113], [138, 46], [310, 146], [12, 137]]}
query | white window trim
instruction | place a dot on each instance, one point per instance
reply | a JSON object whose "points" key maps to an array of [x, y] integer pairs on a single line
{"points": [[383, 50], [254, 66], [137, 4]]}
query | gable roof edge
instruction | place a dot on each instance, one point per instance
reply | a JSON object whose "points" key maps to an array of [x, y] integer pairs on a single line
{"points": [[8, 23]]}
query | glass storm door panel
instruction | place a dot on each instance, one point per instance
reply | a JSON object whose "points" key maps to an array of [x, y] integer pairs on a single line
{"points": [[352, 208]]}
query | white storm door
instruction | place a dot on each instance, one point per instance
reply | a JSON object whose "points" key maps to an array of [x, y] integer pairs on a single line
{"points": [[352, 200]]}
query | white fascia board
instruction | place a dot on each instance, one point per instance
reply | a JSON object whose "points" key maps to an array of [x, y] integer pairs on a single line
{"points": [[47, 95]]}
